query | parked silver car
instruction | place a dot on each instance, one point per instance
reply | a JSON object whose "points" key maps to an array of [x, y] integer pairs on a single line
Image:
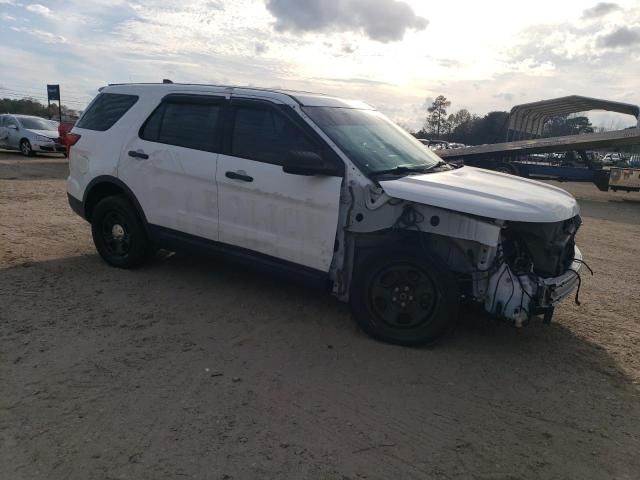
{"points": [[29, 134]]}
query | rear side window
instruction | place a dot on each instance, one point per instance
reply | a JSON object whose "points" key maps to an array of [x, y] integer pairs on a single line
{"points": [[106, 110], [260, 133], [188, 123]]}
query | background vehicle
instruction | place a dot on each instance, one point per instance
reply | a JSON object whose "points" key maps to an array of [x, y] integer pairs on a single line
{"points": [[321, 189], [29, 134], [612, 159], [526, 124]]}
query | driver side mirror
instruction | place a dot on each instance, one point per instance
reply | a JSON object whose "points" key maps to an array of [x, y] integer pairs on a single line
{"points": [[308, 163], [12, 127]]}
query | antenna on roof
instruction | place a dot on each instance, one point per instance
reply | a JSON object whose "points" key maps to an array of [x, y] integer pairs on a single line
{"points": [[166, 80]]}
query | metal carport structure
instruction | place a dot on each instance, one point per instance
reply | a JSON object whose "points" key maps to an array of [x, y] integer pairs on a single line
{"points": [[527, 121]]}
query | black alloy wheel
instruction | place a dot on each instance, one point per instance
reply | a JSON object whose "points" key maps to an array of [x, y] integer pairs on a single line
{"points": [[115, 234], [118, 233], [403, 298]]}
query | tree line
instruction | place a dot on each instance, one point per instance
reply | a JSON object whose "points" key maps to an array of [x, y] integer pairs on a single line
{"points": [[30, 106], [471, 129]]}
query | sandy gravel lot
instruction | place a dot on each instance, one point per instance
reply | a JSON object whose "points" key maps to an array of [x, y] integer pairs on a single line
{"points": [[194, 368]]}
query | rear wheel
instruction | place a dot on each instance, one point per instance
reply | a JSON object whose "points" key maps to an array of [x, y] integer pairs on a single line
{"points": [[25, 148], [118, 233], [507, 168], [404, 299]]}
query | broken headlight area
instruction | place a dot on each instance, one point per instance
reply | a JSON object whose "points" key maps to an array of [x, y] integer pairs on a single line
{"points": [[546, 249], [533, 268]]}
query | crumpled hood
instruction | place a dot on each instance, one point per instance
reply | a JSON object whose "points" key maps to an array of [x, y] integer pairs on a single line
{"points": [[486, 193], [53, 134]]}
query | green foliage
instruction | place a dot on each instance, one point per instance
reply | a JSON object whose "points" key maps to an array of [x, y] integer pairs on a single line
{"points": [[436, 123], [30, 106], [462, 126], [23, 106], [471, 129], [567, 125]]}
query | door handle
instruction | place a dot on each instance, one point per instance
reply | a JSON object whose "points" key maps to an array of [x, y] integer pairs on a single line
{"points": [[238, 176], [138, 154]]}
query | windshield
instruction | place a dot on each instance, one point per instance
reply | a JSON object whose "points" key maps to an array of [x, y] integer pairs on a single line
{"points": [[38, 123], [372, 141]]}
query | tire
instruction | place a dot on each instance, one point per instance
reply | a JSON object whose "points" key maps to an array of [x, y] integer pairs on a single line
{"points": [[506, 168], [404, 299], [118, 233], [25, 148]]}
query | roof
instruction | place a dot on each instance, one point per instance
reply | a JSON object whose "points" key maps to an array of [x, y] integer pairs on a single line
{"points": [[307, 99], [529, 118]]}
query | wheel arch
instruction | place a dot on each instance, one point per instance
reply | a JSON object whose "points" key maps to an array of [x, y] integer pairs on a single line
{"points": [[104, 186]]}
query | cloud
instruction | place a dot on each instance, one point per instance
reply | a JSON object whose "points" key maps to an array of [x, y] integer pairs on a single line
{"points": [[6, 16], [621, 37], [354, 81], [215, 5], [380, 20], [600, 10], [46, 37], [39, 9], [448, 62], [504, 96], [348, 48], [261, 48], [426, 105]]}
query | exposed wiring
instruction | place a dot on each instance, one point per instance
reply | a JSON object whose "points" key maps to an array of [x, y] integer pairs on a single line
{"points": [[409, 218], [495, 292], [582, 262], [576, 299], [513, 287]]}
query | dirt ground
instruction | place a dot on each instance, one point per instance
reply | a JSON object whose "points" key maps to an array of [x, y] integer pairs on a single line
{"points": [[195, 368]]}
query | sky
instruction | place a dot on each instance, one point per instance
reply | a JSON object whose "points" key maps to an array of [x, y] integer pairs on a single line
{"points": [[395, 55]]}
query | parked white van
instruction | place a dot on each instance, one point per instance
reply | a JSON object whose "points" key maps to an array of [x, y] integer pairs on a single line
{"points": [[321, 189]]}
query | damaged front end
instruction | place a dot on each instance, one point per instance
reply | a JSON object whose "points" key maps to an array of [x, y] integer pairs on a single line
{"points": [[514, 269], [533, 268]]}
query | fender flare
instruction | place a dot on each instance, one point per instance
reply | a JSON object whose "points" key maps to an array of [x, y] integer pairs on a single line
{"points": [[109, 179]]}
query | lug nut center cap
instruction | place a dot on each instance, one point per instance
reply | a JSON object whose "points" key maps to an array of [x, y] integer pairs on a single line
{"points": [[117, 232]]}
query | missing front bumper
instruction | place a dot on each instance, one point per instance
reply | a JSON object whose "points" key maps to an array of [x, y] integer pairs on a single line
{"points": [[555, 289], [519, 297]]}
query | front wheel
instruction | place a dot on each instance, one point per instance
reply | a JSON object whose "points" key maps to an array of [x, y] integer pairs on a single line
{"points": [[25, 148], [118, 233], [404, 299]]}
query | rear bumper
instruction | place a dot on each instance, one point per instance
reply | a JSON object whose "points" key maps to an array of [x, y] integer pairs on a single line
{"points": [[76, 205]]}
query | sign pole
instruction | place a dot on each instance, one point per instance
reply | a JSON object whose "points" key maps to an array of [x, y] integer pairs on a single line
{"points": [[53, 93]]}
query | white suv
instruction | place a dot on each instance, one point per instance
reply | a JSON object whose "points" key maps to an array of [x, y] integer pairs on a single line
{"points": [[321, 189]]}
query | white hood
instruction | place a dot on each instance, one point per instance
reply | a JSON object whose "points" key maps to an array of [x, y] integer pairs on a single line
{"points": [[486, 193], [53, 134]]}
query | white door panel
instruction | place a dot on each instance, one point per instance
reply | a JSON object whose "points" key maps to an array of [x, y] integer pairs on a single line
{"points": [[175, 186], [291, 217]]}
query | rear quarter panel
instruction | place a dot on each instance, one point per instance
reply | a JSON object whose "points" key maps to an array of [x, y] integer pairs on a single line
{"points": [[98, 153]]}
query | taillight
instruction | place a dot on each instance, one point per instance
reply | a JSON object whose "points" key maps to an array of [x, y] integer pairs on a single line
{"points": [[72, 139]]}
